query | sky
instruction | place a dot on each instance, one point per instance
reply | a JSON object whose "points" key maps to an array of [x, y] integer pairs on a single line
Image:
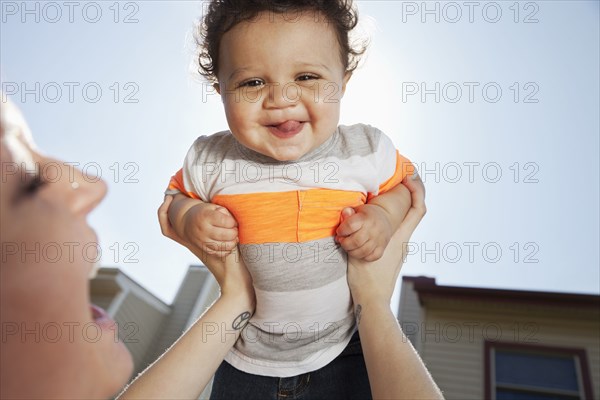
{"points": [[496, 104]]}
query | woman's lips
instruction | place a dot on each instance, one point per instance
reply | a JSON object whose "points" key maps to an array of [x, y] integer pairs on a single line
{"points": [[286, 129], [100, 317]]}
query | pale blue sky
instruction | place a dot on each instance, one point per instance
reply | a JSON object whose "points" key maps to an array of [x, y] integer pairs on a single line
{"points": [[543, 207]]}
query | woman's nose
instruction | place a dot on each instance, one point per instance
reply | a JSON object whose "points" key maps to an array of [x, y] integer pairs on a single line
{"points": [[86, 192]]}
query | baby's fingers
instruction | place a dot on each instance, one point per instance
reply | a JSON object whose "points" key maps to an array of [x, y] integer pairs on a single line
{"points": [[363, 252], [218, 234], [220, 249], [354, 241], [350, 225], [347, 212], [222, 240], [221, 217]]}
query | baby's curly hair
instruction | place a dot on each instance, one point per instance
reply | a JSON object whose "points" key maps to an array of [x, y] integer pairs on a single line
{"points": [[222, 15]]}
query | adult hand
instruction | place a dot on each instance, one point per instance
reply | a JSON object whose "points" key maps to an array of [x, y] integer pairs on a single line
{"points": [[365, 232], [395, 369], [229, 271], [375, 281], [185, 369], [165, 225]]}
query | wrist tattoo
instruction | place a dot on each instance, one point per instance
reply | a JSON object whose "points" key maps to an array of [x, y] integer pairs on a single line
{"points": [[357, 313], [241, 320]]}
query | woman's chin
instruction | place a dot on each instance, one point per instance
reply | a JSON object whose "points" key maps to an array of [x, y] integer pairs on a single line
{"points": [[119, 369], [117, 359]]}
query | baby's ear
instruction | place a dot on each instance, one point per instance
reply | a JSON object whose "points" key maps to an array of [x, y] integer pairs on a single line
{"points": [[347, 77]]}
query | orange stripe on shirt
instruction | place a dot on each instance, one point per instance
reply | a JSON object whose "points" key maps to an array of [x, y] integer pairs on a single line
{"points": [[403, 168], [288, 217], [176, 183]]}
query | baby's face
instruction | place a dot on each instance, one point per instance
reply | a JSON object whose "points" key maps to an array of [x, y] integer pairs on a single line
{"points": [[281, 82]]}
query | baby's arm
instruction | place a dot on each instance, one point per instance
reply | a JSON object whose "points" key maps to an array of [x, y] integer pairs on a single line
{"points": [[364, 234], [207, 226]]}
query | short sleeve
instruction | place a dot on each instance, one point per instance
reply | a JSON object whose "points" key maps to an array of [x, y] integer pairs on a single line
{"points": [[392, 167], [186, 180]]}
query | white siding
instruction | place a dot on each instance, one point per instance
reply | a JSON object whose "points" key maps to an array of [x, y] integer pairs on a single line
{"points": [[453, 334], [139, 324], [175, 324], [103, 301], [411, 313]]}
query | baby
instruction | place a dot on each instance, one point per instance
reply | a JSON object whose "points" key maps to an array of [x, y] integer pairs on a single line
{"points": [[293, 191]]}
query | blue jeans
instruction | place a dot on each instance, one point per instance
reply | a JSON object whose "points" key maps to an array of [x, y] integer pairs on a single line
{"points": [[343, 378]]}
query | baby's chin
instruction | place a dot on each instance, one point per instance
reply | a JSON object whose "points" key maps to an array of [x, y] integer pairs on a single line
{"points": [[287, 154], [287, 158]]}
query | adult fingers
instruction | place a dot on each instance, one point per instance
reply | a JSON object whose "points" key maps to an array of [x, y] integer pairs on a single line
{"points": [[163, 219], [417, 191]]}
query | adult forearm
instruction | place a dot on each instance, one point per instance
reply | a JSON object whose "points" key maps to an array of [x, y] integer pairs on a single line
{"points": [[183, 371], [395, 369]]}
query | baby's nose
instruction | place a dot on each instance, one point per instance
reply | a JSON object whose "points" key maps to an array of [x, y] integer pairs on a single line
{"points": [[282, 95]]}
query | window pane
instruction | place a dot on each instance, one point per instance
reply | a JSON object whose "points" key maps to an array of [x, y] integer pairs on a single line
{"points": [[545, 371], [505, 394]]}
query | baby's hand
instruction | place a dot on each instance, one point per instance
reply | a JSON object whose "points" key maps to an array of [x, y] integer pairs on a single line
{"points": [[364, 233], [211, 228]]}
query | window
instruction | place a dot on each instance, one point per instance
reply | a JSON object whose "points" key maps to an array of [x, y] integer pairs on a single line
{"points": [[524, 372]]}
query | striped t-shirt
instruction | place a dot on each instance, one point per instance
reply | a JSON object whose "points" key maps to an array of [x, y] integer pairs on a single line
{"points": [[287, 214]]}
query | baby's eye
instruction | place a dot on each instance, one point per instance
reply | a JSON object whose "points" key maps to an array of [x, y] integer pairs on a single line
{"points": [[252, 83], [307, 77]]}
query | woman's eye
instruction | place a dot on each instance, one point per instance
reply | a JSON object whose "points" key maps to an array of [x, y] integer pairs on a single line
{"points": [[251, 83], [29, 188], [32, 185]]}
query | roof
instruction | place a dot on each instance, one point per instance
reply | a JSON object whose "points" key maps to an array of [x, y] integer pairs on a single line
{"points": [[426, 286]]}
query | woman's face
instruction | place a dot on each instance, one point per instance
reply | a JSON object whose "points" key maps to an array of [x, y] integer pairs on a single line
{"points": [[52, 345]]}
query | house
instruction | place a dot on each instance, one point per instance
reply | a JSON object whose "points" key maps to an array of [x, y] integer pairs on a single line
{"points": [[477, 343], [504, 344], [147, 325]]}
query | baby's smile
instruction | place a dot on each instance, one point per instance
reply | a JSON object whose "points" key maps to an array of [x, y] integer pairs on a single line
{"points": [[286, 129]]}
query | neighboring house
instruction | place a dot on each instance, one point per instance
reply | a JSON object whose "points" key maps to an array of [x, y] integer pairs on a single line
{"points": [[478, 343], [504, 344], [147, 325]]}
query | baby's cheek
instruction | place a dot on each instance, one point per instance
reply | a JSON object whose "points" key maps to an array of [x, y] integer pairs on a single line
{"points": [[239, 118]]}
